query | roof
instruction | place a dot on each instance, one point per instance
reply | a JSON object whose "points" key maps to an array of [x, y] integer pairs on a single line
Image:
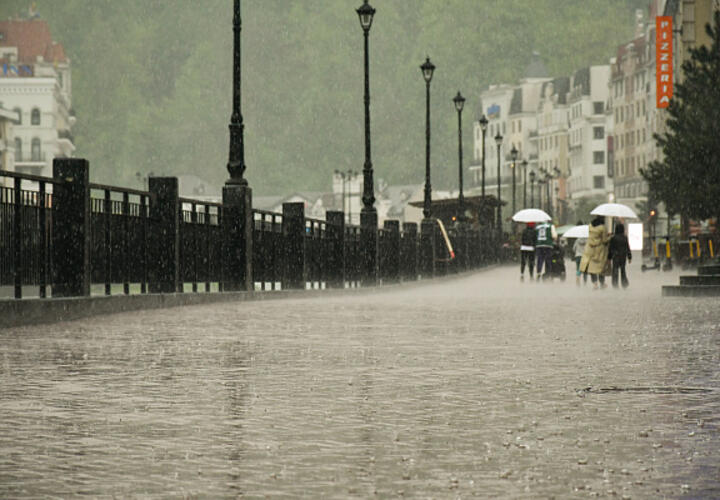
{"points": [[516, 101], [536, 68], [471, 201], [32, 39], [561, 87], [581, 79]]}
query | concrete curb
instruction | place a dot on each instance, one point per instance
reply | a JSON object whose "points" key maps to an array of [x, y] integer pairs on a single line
{"points": [[14, 313]]}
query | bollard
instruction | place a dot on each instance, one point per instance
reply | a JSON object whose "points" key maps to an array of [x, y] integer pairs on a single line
{"points": [[710, 247], [71, 228]]}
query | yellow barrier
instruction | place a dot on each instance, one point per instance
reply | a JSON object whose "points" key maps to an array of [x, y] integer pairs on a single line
{"points": [[667, 248], [697, 247], [690, 246], [710, 246]]}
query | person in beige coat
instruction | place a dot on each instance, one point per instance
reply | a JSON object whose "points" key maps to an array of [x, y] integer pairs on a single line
{"points": [[596, 252]]}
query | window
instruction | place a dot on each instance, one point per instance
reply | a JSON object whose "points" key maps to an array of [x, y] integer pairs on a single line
{"points": [[598, 107], [598, 157], [35, 151], [35, 117], [519, 125], [598, 181], [598, 132], [18, 149], [19, 112]]}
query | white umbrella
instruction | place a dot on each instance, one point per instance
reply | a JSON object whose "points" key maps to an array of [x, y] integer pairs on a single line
{"points": [[531, 215], [614, 210], [577, 232]]}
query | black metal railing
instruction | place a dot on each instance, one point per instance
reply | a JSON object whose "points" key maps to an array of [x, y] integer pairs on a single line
{"points": [[69, 237]]}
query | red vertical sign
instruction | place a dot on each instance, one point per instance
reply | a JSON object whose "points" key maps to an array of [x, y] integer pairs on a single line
{"points": [[663, 61]]}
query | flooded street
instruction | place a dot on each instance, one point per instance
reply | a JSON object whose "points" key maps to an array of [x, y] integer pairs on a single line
{"points": [[478, 386]]}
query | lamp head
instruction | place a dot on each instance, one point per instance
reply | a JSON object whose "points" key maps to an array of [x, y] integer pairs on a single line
{"points": [[427, 69], [483, 123], [459, 101], [365, 13]]}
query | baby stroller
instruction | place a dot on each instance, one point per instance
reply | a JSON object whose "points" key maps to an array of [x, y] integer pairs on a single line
{"points": [[557, 263]]}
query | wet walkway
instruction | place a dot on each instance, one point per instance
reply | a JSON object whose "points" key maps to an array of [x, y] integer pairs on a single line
{"points": [[480, 386]]}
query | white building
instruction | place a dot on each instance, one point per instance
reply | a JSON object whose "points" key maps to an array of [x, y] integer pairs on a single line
{"points": [[35, 82], [588, 134], [552, 145], [7, 139]]}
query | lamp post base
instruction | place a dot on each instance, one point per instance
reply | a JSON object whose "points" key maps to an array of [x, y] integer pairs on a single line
{"points": [[427, 248], [369, 246], [237, 226]]}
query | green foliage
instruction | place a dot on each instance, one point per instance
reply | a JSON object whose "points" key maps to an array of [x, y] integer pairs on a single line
{"points": [[152, 80], [688, 178]]}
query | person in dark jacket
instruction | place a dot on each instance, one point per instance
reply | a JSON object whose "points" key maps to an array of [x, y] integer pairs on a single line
{"points": [[618, 253], [527, 250]]}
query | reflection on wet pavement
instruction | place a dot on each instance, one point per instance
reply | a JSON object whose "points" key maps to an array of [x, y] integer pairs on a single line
{"points": [[479, 386]]}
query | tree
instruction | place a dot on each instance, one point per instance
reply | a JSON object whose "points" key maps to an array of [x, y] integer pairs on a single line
{"points": [[687, 179]]}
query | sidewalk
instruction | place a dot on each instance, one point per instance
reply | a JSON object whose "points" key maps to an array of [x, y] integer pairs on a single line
{"points": [[481, 386]]}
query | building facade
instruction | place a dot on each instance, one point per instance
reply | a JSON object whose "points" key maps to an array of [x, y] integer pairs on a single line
{"points": [[35, 82], [587, 173]]}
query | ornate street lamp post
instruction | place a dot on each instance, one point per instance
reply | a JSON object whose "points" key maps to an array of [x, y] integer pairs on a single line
{"points": [[483, 128], [498, 142], [459, 101], [524, 166], [532, 188], [368, 213], [427, 71], [237, 219], [427, 226], [513, 157]]}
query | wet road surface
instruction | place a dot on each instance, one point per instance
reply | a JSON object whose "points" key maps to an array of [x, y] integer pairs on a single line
{"points": [[481, 386]]}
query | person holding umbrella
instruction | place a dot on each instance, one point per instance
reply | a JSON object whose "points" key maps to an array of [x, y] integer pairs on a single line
{"points": [[618, 254], [595, 255], [545, 239], [527, 250]]}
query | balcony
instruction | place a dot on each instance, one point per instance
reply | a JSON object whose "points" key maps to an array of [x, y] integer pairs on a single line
{"points": [[30, 160]]}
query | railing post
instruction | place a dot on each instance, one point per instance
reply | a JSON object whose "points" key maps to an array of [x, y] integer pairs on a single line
{"points": [[18, 235], [107, 210], [164, 274], [144, 216], [427, 248], [71, 228], [293, 225], [391, 251], [42, 207], [237, 228], [126, 242], [409, 251], [335, 233]]}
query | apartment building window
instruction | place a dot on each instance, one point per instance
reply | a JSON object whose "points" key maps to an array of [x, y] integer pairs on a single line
{"points": [[598, 157], [598, 182], [519, 125], [35, 117], [598, 107], [19, 119], [598, 132], [18, 149], [35, 149]]}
